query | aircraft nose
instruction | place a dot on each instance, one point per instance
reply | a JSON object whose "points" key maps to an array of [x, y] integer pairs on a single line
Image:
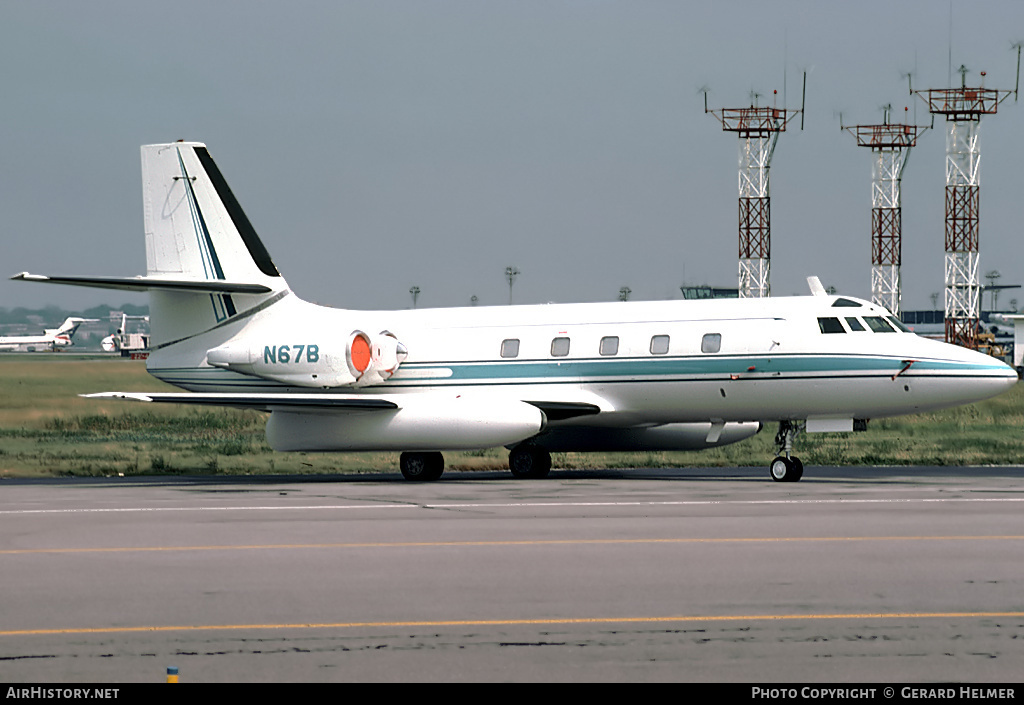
{"points": [[1001, 376], [1010, 377]]}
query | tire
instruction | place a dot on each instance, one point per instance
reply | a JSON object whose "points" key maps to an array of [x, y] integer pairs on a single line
{"points": [[798, 469], [436, 466], [782, 469], [528, 461], [421, 467]]}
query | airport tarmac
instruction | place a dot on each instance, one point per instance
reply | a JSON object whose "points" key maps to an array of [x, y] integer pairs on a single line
{"points": [[877, 575]]}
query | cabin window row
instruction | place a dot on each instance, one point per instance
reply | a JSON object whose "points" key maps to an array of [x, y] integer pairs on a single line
{"points": [[609, 345], [876, 324]]}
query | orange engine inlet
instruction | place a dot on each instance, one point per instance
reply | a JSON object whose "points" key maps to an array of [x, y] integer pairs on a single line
{"points": [[360, 352]]}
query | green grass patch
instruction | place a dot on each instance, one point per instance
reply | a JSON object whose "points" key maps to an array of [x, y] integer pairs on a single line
{"points": [[46, 429]]}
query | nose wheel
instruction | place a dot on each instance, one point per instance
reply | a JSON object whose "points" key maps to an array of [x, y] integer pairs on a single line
{"points": [[786, 467]]}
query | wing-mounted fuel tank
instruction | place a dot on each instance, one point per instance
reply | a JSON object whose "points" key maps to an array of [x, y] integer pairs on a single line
{"points": [[358, 361], [421, 422]]}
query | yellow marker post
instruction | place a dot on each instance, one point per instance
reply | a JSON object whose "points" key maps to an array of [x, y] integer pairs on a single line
{"points": [[172, 674]]}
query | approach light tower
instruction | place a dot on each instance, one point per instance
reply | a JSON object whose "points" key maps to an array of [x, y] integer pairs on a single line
{"points": [[758, 129], [890, 146], [963, 108]]}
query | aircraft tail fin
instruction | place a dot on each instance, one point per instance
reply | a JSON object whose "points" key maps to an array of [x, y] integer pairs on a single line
{"points": [[195, 227], [205, 264], [70, 326], [200, 246]]}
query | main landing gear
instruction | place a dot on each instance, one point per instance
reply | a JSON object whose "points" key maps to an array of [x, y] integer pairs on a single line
{"points": [[421, 467], [527, 460], [786, 467]]}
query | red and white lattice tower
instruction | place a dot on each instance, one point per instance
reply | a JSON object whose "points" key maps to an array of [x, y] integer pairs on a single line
{"points": [[963, 108], [890, 148], [758, 130]]}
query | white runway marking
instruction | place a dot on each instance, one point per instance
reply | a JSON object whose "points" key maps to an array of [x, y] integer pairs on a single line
{"points": [[503, 505]]}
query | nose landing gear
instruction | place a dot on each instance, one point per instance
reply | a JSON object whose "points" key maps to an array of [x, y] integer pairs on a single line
{"points": [[786, 467]]}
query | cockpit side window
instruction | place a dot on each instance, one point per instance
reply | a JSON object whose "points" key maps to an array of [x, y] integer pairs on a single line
{"points": [[878, 324], [898, 323], [855, 325], [830, 325]]}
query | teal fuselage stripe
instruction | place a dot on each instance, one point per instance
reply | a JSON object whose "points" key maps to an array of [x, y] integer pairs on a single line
{"points": [[661, 367], [598, 370]]}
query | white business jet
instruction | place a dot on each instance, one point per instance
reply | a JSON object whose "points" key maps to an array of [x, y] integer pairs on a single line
{"points": [[667, 375], [51, 339]]}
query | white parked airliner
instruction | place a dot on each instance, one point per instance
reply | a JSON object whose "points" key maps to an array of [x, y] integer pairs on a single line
{"points": [[608, 376], [51, 339]]}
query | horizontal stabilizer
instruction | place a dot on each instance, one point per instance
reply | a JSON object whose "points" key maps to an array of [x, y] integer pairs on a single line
{"points": [[264, 402], [213, 286]]}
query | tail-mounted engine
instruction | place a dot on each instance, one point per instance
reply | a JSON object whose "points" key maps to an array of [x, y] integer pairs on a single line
{"points": [[373, 361], [362, 360]]}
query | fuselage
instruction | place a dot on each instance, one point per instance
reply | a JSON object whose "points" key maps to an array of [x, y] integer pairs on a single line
{"points": [[35, 342], [641, 363]]}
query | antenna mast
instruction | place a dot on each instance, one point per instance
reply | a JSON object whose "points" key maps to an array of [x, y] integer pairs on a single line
{"points": [[758, 129], [963, 108], [890, 146]]}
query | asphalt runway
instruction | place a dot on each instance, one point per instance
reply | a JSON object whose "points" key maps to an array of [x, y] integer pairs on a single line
{"points": [[851, 575]]}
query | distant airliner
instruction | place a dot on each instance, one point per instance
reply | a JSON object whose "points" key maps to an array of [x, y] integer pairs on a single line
{"points": [[51, 339], [536, 379]]}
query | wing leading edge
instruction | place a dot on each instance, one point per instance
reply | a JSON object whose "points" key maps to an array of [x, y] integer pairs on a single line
{"points": [[263, 402]]}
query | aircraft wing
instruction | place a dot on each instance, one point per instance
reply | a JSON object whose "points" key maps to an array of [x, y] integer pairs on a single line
{"points": [[328, 422], [553, 410], [264, 402]]}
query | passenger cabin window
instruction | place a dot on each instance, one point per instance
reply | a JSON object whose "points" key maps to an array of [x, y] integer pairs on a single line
{"points": [[609, 345], [559, 347], [830, 325], [711, 343], [510, 347], [854, 324], [878, 324], [659, 345]]}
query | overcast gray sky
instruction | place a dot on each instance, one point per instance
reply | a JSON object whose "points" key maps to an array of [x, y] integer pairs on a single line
{"points": [[376, 145]]}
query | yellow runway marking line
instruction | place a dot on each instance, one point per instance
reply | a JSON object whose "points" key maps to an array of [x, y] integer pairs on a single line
{"points": [[518, 622], [541, 542]]}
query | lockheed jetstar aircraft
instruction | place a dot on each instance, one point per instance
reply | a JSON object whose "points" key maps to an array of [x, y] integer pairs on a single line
{"points": [[51, 339], [666, 375]]}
